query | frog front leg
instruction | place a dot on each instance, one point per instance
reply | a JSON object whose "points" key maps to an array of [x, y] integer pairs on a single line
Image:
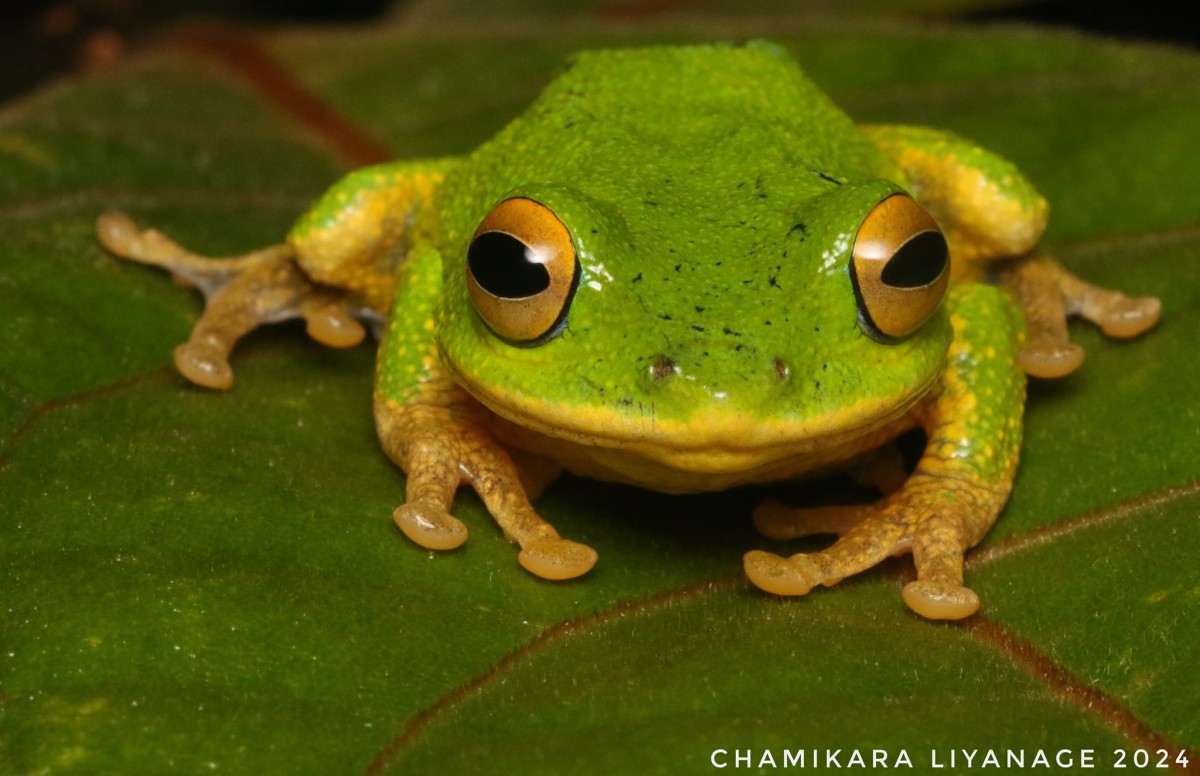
{"points": [[960, 484], [992, 216], [438, 434]]}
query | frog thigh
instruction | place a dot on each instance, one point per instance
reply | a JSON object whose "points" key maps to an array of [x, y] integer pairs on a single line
{"points": [[985, 206], [438, 434], [989, 210], [354, 234], [973, 424]]}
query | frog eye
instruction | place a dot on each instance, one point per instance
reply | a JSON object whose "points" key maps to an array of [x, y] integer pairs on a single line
{"points": [[900, 268], [522, 271]]}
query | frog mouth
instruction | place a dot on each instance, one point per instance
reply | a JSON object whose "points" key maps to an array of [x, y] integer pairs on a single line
{"points": [[732, 446]]}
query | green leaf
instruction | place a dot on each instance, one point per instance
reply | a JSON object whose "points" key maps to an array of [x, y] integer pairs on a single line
{"points": [[198, 581]]}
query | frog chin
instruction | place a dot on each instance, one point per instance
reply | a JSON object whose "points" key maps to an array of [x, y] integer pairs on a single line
{"points": [[709, 451]]}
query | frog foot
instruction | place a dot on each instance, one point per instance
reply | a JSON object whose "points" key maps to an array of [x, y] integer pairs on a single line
{"points": [[549, 558], [430, 527], [1048, 294], [934, 599], [556, 558], [920, 518], [785, 576], [443, 447], [940, 599], [241, 292]]}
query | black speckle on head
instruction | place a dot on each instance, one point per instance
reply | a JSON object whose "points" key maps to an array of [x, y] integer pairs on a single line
{"points": [[823, 176], [700, 329], [699, 309], [730, 332], [597, 387], [637, 278]]}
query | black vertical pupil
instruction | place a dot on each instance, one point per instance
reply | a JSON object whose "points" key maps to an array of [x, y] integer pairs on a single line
{"points": [[505, 267], [918, 262]]}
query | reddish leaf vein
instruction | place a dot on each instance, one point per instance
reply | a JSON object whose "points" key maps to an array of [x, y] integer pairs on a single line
{"points": [[244, 56]]}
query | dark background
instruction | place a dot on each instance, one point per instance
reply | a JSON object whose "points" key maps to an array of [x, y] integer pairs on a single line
{"points": [[47, 39]]}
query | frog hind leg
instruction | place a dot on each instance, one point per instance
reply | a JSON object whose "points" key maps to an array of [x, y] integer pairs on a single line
{"points": [[993, 216], [438, 434], [1048, 294], [240, 292], [960, 484]]}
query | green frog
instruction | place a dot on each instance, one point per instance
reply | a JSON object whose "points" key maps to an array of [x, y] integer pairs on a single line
{"points": [[682, 268]]}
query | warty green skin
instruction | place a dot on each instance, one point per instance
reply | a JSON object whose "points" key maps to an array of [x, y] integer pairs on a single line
{"points": [[713, 196]]}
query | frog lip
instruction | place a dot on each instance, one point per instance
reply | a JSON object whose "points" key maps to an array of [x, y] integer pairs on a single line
{"points": [[718, 440]]}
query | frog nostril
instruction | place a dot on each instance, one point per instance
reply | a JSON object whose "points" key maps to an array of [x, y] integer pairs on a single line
{"points": [[782, 370], [662, 368]]}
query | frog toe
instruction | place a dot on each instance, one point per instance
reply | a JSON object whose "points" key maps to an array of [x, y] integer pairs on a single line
{"points": [[1124, 317], [940, 600], [333, 327], [557, 558], [430, 527], [1050, 358], [204, 365], [121, 235], [118, 233], [782, 576]]}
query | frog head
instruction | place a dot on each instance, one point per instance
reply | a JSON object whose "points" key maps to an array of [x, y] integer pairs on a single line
{"points": [[688, 260]]}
